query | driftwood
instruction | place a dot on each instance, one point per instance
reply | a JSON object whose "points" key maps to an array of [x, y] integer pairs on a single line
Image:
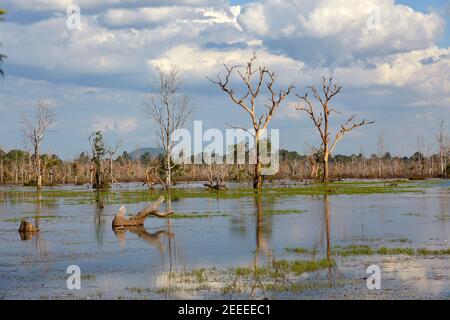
{"points": [[27, 227], [120, 221]]}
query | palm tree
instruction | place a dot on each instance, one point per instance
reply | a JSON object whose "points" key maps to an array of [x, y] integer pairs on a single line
{"points": [[2, 56]]}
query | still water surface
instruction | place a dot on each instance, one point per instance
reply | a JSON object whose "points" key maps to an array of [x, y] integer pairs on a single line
{"points": [[236, 232]]}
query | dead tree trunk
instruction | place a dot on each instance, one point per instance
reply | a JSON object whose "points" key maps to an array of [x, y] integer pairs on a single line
{"points": [[120, 221]]}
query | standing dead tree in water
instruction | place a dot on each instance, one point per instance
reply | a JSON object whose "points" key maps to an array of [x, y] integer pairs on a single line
{"points": [[111, 152], [322, 120], [253, 80], [34, 131], [443, 142], [169, 110]]}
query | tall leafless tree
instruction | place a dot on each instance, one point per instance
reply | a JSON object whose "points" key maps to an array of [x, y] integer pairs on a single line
{"points": [[34, 131], [321, 119], [443, 141], [253, 80], [169, 109]]}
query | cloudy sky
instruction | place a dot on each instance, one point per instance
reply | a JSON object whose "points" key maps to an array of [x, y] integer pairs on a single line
{"points": [[396, 72]]}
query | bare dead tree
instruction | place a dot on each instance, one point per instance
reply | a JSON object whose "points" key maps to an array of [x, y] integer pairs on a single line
{"points": [[253, 79], [443, 141], [111, 151], [169, 110], [34, 131], [322, 119], [381, 152]]}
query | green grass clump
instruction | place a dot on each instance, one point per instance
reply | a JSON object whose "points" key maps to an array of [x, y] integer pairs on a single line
{"points": [[280, 268], [138, 290], [355, 250], [365, 250], [296, 287], [395, 251], [298, 267], [286, 211], [428, 252], [199, 275]]}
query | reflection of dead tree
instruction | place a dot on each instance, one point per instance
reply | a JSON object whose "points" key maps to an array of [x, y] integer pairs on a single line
{"points": [[154, 238], [120, 221]]}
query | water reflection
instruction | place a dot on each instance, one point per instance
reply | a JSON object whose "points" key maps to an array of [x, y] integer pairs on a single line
{"points": [[246, 232], [263, 231], [154, 238], [329, 249]]}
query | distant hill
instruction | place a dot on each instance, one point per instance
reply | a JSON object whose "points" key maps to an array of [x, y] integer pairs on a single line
{"points": [[136, 154]]}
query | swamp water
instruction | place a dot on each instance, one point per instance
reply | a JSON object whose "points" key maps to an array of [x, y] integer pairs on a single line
{"points": [[290, 242]]}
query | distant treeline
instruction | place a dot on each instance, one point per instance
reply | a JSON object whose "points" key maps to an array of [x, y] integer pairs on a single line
{"points": [[16, 167]]}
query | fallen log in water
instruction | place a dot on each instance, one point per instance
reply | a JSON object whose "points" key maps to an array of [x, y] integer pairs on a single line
{"points": [[120, 221]]}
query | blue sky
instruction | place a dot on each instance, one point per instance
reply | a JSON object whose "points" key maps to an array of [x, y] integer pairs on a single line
{"points": [[397, 74]]}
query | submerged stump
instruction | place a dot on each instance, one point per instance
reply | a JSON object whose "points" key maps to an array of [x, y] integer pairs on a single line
{"points": [[27, 230], [26, 226], [120, 221]]}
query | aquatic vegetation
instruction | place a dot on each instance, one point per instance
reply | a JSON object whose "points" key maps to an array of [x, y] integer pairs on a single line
{"points": [[286, 211], [114, 197], [198, 274], [413, 214], [88, 276], [366, 250], [18, 219], [399, 240], [138, 290], [357, 250], [300, 250], [195, 215]]}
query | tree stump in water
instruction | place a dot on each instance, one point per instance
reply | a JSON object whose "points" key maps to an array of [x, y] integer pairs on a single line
{"points": [[120, 221], [26, 230], [26, 226]]}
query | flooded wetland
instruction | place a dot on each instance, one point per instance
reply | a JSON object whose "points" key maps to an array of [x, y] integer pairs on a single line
{"points": [[290, 241]]}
